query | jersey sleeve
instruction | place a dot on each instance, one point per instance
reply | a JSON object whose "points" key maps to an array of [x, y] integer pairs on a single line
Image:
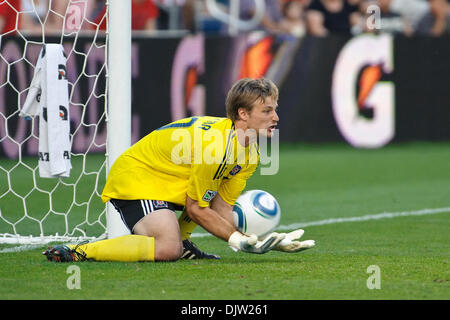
{"points": [[230, 189], [201, 186]]}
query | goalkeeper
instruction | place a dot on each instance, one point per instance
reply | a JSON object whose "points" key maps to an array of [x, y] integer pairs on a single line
{"points": [[174, 168]]}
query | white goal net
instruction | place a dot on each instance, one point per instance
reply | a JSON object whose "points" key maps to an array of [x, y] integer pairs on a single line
{"points": [[34, 209]]}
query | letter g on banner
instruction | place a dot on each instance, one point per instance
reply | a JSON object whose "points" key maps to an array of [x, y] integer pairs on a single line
{"points": [[363, 106], [186, 93]]}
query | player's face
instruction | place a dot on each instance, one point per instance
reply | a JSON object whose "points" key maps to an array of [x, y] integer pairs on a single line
{"points": [[263, 118]]}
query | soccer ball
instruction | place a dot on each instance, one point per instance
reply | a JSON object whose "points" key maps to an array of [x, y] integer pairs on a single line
{"points": [[256, 212]]}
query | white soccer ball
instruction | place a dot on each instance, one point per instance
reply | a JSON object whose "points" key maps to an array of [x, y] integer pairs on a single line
{"points": [[256, 212]]}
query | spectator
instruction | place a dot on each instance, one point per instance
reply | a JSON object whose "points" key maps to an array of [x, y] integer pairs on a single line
{"points": [[271, 19], [98, 15], [70, 16], [293, 18], [22, 15], [8, 16], [33, 16], [144, 14], [332, 16], [189, 15], [390, 22], [178, 14], [197, 17], [437, 21], [412, 10]]}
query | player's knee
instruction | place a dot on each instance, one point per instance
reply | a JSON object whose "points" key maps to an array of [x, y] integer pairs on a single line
{"points": [[170, 252]]}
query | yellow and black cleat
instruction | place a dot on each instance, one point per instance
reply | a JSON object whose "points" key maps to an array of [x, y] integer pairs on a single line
{"points": [[62, 253], [190, 251]]}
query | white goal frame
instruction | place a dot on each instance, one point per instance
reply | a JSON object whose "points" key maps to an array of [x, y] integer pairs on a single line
{"points": [[119, 96], [118, 115]]}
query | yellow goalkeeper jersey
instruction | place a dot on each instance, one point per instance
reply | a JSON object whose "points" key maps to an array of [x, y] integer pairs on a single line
{"points": [[197, 156]]}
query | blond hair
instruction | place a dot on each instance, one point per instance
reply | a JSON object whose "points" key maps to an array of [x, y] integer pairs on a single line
{"points": [[245, 92]]}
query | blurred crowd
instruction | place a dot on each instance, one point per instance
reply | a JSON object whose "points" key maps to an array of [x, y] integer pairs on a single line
{"points": [[292, 17]]}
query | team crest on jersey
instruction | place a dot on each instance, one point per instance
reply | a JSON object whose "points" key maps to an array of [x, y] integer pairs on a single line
{"points": [[235, 170], [209, 195], [159, 204]]}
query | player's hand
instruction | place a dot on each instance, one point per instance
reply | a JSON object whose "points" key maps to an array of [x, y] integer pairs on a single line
{"points": [[250, 244], [289, 243]]}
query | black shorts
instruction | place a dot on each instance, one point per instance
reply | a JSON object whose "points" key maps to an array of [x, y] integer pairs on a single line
{"points": [[132, 211]]}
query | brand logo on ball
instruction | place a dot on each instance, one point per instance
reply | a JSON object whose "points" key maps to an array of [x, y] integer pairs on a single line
{"points": [[242, 221], [256, 212], [264, 205]]}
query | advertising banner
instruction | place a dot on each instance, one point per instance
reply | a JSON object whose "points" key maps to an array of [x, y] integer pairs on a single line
{"points": [[367, 91]]}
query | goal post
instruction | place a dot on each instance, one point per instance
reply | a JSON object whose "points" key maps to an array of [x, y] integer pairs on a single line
{"points": [[37, 210], [119, 95]]}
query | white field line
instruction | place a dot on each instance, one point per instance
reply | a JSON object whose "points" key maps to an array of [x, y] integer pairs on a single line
{"points": [[385, 215], [24, 247]]}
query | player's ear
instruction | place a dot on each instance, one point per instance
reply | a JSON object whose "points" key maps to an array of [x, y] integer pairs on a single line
{"points": [[243, 114]]}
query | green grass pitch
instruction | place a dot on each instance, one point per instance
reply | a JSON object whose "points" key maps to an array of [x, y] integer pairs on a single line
{"points": [[314, 183]]}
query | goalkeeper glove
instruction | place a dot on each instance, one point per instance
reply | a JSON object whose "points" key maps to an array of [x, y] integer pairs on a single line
{"points": [[239, 241], [288, 244]]}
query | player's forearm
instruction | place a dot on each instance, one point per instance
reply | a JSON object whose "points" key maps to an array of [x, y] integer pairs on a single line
{"points": [[222, 208], [212, 222]]}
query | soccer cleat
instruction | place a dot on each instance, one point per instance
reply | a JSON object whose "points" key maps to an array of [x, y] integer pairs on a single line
{"points": [[62, 253], [190, 251]]}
